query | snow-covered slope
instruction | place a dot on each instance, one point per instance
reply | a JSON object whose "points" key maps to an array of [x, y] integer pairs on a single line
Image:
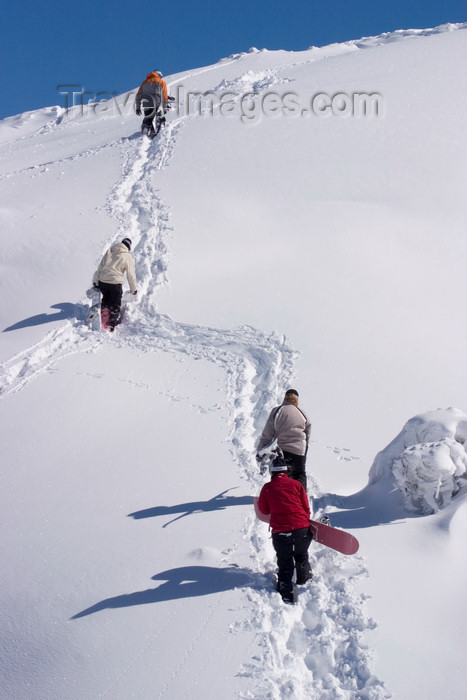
{"points": [[327, 251]]}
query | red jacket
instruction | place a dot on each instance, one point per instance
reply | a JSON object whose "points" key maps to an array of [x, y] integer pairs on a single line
{"points": [[286, 501]]}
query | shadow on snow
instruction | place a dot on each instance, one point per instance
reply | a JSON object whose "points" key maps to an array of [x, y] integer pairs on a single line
{"points": [[184, 582], [377, 504], [381, 503], [65, 310], [219, 502]]}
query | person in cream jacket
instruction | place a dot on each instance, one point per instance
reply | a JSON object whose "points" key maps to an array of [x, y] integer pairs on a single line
{"points": [[116, 262]]}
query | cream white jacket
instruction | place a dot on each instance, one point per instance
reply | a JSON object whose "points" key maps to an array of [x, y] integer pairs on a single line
{"points": [[113, 266]]}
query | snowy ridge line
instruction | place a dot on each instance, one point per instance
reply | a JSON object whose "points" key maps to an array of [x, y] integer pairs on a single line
{"points": [[339, 49], [403, 34], [376, 40], [59, 116], [320, 53], [206, 69]]}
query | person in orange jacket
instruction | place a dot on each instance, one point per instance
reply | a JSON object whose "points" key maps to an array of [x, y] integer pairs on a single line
{"points": [[152, 100]]}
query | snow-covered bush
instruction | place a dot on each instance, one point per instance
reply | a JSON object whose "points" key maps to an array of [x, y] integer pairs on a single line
{"points": [[428, 474], [427, 460]]}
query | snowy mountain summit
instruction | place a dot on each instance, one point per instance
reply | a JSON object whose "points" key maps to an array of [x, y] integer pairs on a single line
{"points": [[300, 221]]}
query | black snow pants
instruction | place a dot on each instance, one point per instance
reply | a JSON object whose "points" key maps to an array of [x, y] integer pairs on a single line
{"points": [[292, 553], [296, 465], [151, 106], [112, 300]]}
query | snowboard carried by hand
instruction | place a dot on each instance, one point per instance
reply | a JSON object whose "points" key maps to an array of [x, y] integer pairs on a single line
{"points": [[332, 537], [267, 454], [93, 316], [98, 318]]}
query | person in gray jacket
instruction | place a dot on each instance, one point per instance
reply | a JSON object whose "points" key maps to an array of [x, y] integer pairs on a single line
{"points": [[109, 279], [290, 426]]}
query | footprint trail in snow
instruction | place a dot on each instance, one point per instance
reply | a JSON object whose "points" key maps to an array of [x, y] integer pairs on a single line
{"points": [[312, 650]]}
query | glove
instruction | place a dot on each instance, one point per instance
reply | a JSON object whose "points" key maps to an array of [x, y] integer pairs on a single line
{"points": [[95, 285], [262, 466], [138, 111], [171, 98]]}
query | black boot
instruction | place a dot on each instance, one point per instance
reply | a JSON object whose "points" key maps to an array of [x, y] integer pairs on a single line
{"points": [[114, 319], [286, 591], [303, 578]]}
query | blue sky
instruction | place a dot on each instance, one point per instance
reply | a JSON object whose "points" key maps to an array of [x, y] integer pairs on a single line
{"points": [[110, 46]]}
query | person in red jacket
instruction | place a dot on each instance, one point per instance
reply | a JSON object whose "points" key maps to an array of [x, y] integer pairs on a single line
{"points": [[285, 500]]}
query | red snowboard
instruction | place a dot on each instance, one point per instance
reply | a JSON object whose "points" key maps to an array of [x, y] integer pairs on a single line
{"points": [[340, 540], [332, 537]]}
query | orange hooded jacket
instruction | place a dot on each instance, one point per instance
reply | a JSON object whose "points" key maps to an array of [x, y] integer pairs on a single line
{"points": [[153, 77]]}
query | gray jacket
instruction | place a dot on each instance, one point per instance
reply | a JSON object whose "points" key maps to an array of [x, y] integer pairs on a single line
{"points": [[291, 427], [150, 96]]}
